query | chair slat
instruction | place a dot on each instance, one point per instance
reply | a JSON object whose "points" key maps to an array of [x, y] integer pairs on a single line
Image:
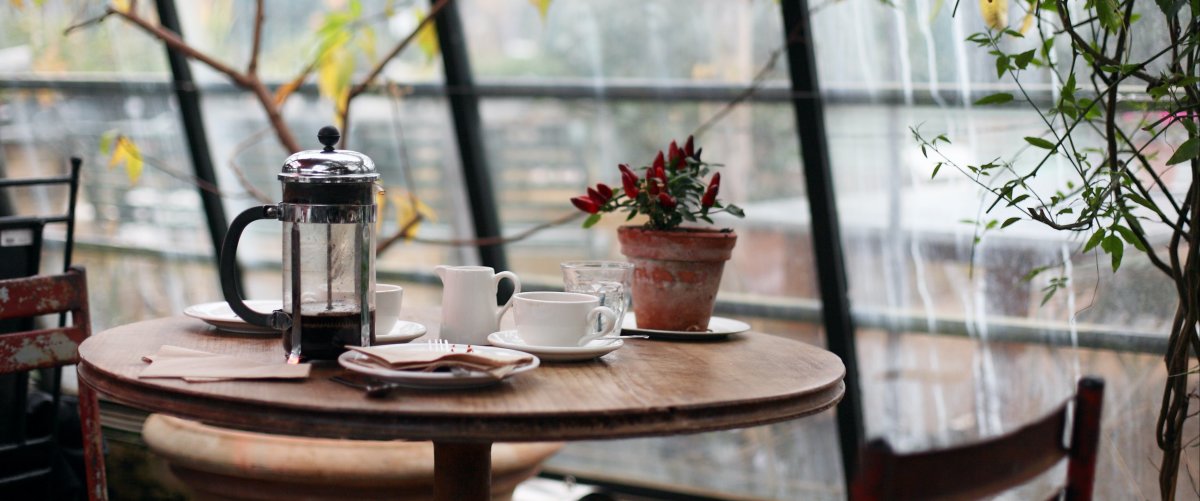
{"points": [[983, 468], [40, 349], [988, 467], [27, 297]]}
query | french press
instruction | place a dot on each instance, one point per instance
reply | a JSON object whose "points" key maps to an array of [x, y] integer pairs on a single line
{"points": [[328, 215]]}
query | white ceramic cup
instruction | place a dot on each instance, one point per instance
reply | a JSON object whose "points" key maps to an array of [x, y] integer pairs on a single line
{"points": [[387, 307], [561, 318]]}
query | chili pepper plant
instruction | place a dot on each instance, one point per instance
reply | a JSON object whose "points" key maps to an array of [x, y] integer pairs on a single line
{"points": [[675, 188]]}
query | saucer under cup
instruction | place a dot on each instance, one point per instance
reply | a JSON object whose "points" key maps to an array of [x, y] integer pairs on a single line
{"points": [[561, 318]]}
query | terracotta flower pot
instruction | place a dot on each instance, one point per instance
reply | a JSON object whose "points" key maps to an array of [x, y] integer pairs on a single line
{"points": [[676, 274]]}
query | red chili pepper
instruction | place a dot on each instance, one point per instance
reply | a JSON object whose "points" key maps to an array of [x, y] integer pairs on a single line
{"points": [[710, 194], [658, 162], [586, 204], [596, 196], [605, 190], [710, 197], [653, 186], [661, 173], [629, 181], [666, 201], [673, 158], [626, 170], [688, 150]]}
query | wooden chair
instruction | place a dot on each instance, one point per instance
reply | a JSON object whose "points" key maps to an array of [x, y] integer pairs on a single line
{"points": [[981, 469], [43, 348]]}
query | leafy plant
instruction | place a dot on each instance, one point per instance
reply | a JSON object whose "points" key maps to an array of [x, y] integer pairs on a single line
{"points": [[1116, 195], [669, 191]]}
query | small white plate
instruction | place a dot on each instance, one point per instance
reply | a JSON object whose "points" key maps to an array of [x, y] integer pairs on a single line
{"points": [[594, 349], [219, 315], [718, 328], [432, 380], [403, 332]]}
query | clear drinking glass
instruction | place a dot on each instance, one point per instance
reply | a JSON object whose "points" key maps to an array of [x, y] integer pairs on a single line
{"points": [[611, 281]]}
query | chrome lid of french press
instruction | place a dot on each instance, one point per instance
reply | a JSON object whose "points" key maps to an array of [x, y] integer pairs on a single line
{"points": [[328, 165]]}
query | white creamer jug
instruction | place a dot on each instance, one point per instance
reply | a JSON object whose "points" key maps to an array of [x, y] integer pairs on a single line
{"points": [[469, 311]]}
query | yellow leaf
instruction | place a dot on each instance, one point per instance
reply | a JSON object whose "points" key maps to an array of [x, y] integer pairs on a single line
{"points": [[121, 5], [133, 158], [1027, 22], [284, 91], [118, 153], [407, 213], [995, 13], [366, 42], [543, 7], [427, 39], [333, 77]]}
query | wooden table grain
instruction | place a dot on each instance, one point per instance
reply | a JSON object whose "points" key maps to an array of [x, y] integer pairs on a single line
{"points": [[646, 388]]}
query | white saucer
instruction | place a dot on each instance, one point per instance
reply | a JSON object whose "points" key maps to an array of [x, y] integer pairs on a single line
{"points": [[403, 332], [718, 328], [219, 315], [432, 380], [594, 349]]}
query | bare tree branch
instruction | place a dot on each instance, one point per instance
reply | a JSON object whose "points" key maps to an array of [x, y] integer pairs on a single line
{"points": [[252, 68]]}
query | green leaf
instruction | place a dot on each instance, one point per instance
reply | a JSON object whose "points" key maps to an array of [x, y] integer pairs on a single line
{"points": [[1128, 235], [106, 141], [1188, 150], [1001, 65], [1039, 142], [1137, 199], [1109, 14], [1094, 241], [735, 210], [591, 220], [1049, 294], [1115, 248], [1034, 272], [1018, 200], [997, 98], [936, 168], [1024, 58], [1170, 7], [1009, 221]]}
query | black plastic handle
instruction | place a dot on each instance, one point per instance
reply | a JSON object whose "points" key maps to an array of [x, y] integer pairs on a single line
{"points": [[229, 286]]}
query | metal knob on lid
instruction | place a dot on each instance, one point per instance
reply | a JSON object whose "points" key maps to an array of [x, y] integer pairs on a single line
{"points": [[328, 165]]}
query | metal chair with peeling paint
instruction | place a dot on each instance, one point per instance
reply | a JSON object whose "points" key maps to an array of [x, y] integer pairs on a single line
{"points": [[36, 461], [23, 351]]}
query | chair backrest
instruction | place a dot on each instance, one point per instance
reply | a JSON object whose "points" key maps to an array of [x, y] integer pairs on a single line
{"points": [[980, 469], [44, 295]]}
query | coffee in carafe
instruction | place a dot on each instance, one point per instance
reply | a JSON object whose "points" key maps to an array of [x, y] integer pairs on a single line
{"points": [[324, 334]]}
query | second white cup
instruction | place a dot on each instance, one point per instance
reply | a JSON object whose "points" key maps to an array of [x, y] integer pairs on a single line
{"points": [[388, 299], [561, 318]]}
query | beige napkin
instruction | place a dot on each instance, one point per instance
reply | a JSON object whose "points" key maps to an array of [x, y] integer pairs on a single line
{"points": [[497, 365], [200, 366]]}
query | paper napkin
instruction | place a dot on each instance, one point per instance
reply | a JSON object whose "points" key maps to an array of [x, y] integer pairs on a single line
{"points": [[199, 366]]}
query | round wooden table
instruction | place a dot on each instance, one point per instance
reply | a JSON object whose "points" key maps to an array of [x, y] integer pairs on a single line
{"points": [[646, 388]]}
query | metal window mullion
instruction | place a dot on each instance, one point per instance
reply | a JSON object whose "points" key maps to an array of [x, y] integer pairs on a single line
{"points": [[468, 128], [831, 270]]}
